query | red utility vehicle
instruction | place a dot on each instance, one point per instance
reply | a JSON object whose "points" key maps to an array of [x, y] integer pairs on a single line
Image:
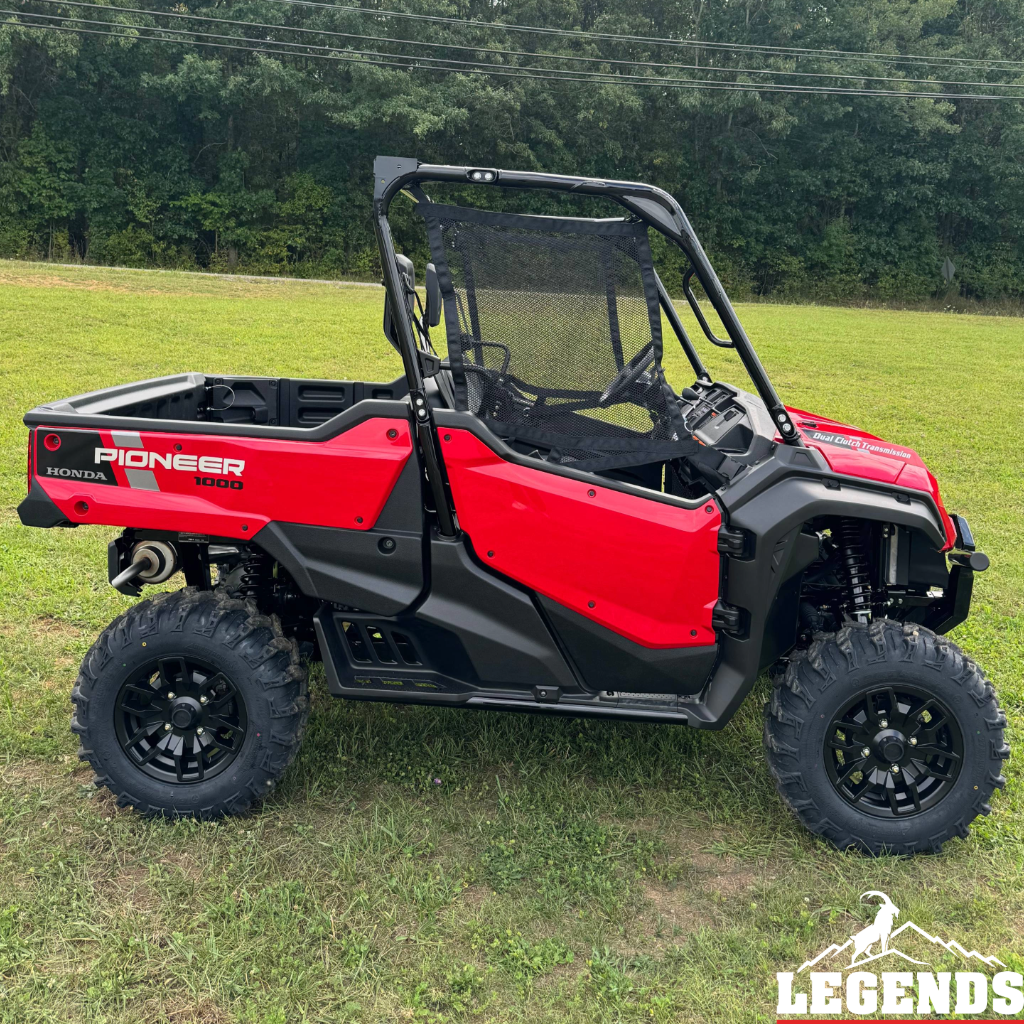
{"points": [[536, 521]]}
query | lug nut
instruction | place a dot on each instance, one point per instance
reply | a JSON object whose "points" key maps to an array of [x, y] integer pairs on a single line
{"points": [[884, 723], [200, 731], [865, 751], [167, 727], [895, 769], [913, 741], [171, 695], [204, 700]]}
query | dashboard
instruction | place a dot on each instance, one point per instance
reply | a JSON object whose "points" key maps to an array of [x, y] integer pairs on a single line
{"points": [[733, 422]]}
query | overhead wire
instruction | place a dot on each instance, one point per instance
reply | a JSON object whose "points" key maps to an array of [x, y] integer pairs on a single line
{"points": [[797, 51], [526, 53], [409, 63]]}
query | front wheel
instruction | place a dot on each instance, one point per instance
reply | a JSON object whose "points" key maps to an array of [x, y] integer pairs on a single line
{"points": [[885, 738], [190, 704]]}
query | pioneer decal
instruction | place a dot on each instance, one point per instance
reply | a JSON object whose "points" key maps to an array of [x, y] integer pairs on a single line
{"points": [[134, 458], [858, 443]]}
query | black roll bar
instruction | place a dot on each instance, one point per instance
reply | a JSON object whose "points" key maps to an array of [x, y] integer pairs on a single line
{"points": [[426, 435], [699, 313], [672, 316], [652, 205]]}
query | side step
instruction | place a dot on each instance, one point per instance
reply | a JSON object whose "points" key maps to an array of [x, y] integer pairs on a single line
{"points": [[373, 658], [366, 654]]}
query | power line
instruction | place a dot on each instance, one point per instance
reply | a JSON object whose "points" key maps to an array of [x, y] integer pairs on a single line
{"points": [[524, 53], [794, 51], [413, 64]]}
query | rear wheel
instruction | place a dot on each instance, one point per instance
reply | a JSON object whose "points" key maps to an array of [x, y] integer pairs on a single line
{"points": [[886, 738], [190, 704]]}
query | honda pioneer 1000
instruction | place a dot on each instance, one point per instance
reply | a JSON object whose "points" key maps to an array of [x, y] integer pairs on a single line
{"points": [[536, 521]]}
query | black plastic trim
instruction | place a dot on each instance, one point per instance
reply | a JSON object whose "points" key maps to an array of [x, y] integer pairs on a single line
{"points": [[502, 641], [849, 495], [776, 499], [356, 567], [964, 537], [955, 606], [38, 509], [608, 661]]}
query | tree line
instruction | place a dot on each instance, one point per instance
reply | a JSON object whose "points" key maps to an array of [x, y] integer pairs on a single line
{"points": [[171, 154]]}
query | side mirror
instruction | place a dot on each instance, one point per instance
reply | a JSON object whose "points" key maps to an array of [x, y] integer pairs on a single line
{"points": [[433, 307], [407, 271]]}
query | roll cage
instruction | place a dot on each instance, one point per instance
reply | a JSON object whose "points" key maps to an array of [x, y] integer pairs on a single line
{"points": [[653, 206]]}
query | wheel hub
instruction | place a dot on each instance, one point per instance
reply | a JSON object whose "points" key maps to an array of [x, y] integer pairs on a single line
{"points": [[893, 751], [180, 720], [185, 713], [891, 745]]}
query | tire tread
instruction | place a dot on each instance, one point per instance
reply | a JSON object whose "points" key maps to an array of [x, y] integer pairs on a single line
{"points": [[814, 671], [239, 626]]}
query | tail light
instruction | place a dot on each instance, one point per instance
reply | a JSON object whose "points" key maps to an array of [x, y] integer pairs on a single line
{"points": [[31, 460]]}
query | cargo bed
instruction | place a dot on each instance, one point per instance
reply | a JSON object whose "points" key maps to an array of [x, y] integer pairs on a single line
{"points": [[197, 403]]}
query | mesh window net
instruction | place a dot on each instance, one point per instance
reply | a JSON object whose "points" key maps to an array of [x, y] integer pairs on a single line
{"points": [[554, 334]]}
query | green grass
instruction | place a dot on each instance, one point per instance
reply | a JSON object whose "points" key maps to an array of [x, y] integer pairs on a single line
{"points": [[435, 865]]}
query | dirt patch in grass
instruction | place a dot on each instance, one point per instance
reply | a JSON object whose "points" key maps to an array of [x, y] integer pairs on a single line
{"points": [[27, 773], [675, 906], [473, 897], [186, 864], [724, 875], [78, 282], [126, 889], [50, 626], [106, 803], [44, 626], [23, 280], [182, 1010]]}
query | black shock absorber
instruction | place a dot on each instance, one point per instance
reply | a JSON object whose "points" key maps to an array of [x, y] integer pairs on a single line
{"points": [[253, 575], [855, 564]]}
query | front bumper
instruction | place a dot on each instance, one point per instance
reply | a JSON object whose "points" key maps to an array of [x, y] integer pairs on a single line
{"points": [[955, 605]]}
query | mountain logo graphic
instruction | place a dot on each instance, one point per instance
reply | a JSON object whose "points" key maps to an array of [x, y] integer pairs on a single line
{"points": [[875, 941]]}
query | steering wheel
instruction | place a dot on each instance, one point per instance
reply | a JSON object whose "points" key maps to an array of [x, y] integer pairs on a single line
{"points": [[630, 374]]}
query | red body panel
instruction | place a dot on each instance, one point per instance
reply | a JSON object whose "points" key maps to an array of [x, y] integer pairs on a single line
{"points": [[647, 570], [341, 482], [854, 452]]}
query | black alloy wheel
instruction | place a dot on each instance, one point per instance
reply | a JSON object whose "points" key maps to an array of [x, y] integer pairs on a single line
{"points": [[885, 737], [894, 751], [180, 720], [191, 704]]}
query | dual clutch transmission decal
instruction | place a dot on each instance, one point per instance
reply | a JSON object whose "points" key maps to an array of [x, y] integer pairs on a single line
{"points": [[859, 444]]}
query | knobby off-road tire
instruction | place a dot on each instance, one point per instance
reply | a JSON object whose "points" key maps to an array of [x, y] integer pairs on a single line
{"points": [[241, 681], [885, 660]]}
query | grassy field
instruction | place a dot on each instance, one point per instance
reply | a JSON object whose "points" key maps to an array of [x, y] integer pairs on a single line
{"points": [[431, 865]]}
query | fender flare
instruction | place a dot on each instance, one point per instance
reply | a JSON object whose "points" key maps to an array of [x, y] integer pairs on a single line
{"points": [[774, 517]]}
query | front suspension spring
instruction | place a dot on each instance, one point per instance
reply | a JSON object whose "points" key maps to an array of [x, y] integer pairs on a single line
{"points": [[855, 564], [253, 575]]}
